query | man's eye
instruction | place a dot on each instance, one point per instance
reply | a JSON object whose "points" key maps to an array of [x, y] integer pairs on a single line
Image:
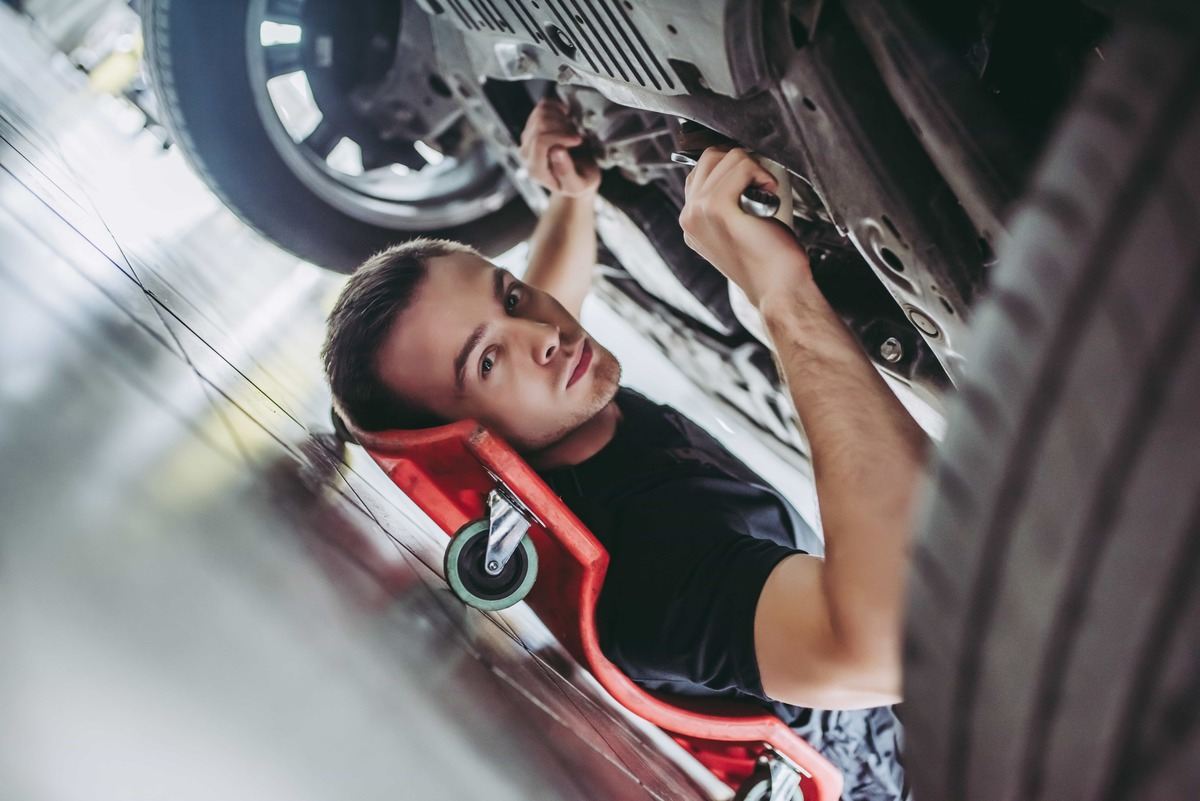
{"points": [[510, 302], [486, 365]]}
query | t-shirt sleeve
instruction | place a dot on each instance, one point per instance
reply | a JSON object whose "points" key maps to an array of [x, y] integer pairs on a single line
{"points": [[685, 575]]}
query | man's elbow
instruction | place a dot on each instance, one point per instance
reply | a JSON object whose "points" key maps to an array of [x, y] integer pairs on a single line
{"points": [[835, 677], [806, 658]]}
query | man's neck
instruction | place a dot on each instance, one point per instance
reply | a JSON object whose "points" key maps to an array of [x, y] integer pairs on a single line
{"points": [[582, 443]]}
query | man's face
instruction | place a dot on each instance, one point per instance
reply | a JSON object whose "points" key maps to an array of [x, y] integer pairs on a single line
{"points": [[477, 343]]}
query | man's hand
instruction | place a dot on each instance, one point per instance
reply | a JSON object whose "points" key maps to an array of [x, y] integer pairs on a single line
{"points": [[562, 250], [760, 256], [549, 133]]}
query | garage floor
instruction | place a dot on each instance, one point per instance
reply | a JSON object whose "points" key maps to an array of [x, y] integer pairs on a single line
{"points": [[199, 598]]}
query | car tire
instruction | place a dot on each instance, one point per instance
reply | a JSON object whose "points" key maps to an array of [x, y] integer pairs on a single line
{"points": [[196, 56], [1054, 609]]}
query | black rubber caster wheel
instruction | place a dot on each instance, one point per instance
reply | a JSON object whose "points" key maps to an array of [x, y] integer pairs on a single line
{"points": [[472, 584]]}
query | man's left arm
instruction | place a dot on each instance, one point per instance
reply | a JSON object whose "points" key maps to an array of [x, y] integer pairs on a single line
{"points": [[562, 250]]}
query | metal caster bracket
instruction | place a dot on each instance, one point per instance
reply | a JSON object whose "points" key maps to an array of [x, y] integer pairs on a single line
{"points": [[785, 777], [508, 522]]}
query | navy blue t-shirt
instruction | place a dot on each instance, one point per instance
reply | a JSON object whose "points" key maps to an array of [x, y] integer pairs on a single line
{"points": [[692, 534]]}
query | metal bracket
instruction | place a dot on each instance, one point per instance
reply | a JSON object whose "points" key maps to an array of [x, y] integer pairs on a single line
{"points": [[508, 521], [785, 776]]}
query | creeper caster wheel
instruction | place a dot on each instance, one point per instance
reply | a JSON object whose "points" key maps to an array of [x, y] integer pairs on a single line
{"points": [[471, 582]]}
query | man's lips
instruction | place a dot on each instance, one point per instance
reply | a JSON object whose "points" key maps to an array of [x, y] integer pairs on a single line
{"points": [[585, 360]]}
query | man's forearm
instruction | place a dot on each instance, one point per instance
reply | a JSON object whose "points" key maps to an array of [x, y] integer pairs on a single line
{"points": [[867, 455], [562, 250]]}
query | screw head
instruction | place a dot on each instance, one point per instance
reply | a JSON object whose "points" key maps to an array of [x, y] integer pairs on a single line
{"points": [[925, 325], [492, 567], [891, 350]]}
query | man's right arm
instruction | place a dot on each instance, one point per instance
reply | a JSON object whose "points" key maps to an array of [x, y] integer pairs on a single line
{"points": [[562, 250], [866, 454], [827, 632]]}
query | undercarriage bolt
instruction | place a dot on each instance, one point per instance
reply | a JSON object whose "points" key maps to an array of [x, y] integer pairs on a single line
{"points": [[923, 323], [891, 350], [492, 567]]}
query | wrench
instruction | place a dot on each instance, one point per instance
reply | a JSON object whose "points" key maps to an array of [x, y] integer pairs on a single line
{"points": [[754, 201]]}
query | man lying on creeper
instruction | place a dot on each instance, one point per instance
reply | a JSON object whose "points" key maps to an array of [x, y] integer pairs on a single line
{"points": [[715, 586]]}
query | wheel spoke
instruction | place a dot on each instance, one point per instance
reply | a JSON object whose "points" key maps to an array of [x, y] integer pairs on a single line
{"points": [[323, 139], [285, 11], [282, 59], [376, 155]]}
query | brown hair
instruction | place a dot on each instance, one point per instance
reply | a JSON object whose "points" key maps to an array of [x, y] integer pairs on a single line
{"points": [[377, 293]]}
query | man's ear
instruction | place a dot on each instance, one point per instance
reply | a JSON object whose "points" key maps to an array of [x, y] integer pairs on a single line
{"points": [[341, 422]]}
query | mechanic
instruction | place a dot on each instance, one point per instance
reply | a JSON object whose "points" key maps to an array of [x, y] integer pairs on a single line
{"points": [[716, 586]]}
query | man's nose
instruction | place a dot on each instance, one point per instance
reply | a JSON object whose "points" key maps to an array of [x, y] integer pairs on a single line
{"points": [[546, 341]]}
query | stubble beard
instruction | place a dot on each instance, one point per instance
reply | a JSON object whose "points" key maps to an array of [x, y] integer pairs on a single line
{"points": [[606, 380]]}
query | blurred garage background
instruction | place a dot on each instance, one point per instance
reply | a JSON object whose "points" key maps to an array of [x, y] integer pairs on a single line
{"points": [[201, 596]]}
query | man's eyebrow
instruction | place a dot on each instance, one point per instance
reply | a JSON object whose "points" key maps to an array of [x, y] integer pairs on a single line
{"points": [[498, 284], [460, 361]]}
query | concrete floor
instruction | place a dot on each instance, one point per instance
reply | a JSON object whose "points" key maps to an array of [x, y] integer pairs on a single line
{"points": [[199, 598]]}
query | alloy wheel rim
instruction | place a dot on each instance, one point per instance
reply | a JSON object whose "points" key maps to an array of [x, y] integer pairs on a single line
{"points": [[448, 190]]}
